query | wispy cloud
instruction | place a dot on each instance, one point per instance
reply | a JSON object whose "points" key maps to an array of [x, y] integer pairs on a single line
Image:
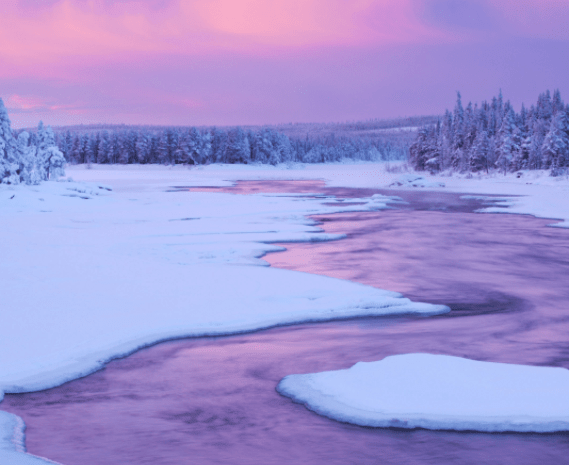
{"points": [[18, 102], [71, 28]]}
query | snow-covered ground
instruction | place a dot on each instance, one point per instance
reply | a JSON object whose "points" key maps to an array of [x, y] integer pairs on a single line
{"points": [[88, 274], [536, 192], [438, 392]]}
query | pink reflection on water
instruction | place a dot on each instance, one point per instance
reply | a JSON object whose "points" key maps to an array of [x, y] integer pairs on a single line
{"points": [[213, 400]]}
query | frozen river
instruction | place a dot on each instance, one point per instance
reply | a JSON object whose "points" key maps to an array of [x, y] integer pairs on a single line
{"points": [[213, 400]]}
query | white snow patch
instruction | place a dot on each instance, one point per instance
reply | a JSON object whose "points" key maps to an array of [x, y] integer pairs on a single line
{"points": [[12, 448], [438, 392], [415, 180]]}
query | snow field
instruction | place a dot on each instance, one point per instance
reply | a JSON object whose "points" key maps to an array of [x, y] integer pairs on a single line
{"points": [[88, 275], [534, 192], [438, 392]]}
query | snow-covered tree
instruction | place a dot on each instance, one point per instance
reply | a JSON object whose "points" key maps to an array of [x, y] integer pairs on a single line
{"points": [[238, 148], [480, 152], [104, 148], [142, 147], [31, 170], [167, 147], [555, 148], [493, 135], [9, 167], [50, 160], [29, 158], [424, 154], [508, 141]]}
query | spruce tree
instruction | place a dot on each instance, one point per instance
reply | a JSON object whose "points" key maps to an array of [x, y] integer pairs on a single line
{"points": [[9, 168], [555, 148], [508, 141], [480, 152]]}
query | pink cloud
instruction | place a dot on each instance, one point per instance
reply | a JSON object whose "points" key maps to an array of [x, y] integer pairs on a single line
{"points": [[18, 102], [29, 104], [70, 28], [302, 23]]}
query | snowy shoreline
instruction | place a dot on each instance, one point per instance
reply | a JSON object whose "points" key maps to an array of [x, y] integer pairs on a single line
{"points": [[93, 274], [534, 192], [66, 237]]}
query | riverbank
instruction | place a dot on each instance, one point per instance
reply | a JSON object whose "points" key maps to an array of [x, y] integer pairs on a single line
{"points": [[214, 398], [87, 270], [526, 192], [94, 271]]}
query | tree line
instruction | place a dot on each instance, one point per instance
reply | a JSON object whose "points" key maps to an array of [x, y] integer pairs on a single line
{"points": [[196, 146], [28, 157], [492, 136]]}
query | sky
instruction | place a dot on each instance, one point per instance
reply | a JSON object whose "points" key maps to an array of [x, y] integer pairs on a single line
{"points": [[231, 62]]}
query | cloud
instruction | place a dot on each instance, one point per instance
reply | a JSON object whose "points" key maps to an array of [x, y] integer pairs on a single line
{"points": [[58, 30], [18, 102], [41, 107]]}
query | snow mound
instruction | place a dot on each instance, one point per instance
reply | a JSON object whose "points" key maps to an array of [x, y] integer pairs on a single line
{"points": [[414, 180], [438, 392]]}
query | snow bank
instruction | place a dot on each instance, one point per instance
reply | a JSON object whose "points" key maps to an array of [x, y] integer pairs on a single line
{"points": [[415, 180], [12, 448], [438, 392], [88, 274], [534, 192]]}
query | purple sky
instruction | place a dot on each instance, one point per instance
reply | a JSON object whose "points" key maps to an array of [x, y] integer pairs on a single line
{"points": [[224, 62]]}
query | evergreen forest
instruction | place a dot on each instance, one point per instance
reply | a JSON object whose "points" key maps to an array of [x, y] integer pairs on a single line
{"points": [[492, 136], [245, 145]]}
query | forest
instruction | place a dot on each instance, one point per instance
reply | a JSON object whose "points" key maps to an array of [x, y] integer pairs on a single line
{"points": [[476, 138], [204, 145], [492, 136]]}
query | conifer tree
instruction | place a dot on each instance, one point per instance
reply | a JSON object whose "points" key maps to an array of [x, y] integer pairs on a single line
{"points": [[508, 141], [104, 148], [480, 152], [9, 168], [478, 139], [556, 143], [50, 160]]}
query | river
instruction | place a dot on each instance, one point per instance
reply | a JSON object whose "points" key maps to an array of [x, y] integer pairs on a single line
{"points": [[213, 400]]}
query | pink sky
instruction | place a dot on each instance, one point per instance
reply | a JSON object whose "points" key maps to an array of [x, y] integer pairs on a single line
{"points": [[225, 62]]}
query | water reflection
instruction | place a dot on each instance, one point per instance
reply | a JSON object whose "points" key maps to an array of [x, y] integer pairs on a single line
{"points": [[213, 400]]}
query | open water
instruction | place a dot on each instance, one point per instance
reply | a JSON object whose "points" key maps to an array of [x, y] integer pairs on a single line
{"points": [[213, 400]]}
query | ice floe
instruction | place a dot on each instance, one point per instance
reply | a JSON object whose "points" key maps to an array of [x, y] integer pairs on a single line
{"points": [[438, 392]]}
